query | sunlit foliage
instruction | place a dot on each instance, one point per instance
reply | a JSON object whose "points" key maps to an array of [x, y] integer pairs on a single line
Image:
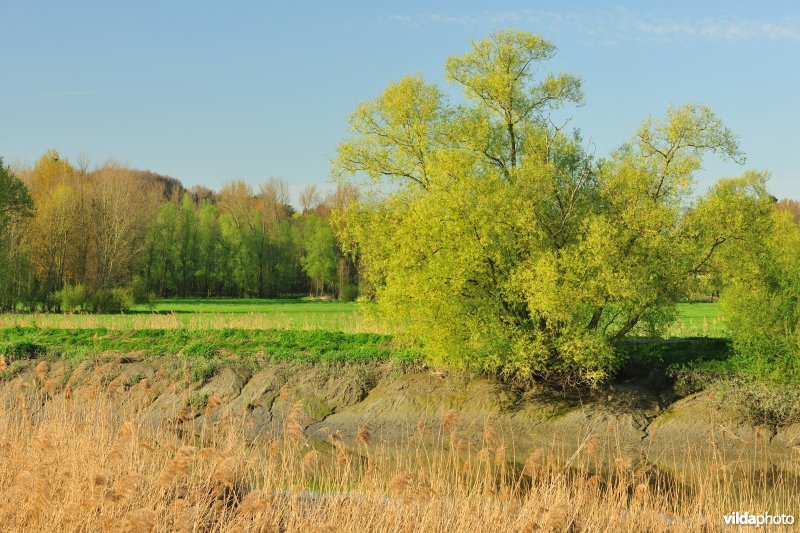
{"points": [[496, 241]]}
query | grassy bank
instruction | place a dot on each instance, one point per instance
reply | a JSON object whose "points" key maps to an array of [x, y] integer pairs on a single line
{"points": [[295, 344], [209, 333], [238, 345], [201, 352]]}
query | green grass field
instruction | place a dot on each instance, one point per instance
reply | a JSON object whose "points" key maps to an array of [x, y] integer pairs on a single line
{"points": [[298, 307], [205, 314], [206, 334], [695, 319], [699, 320]]}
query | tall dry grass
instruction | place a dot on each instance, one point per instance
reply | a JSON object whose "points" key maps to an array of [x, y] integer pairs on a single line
{"points": [[708, 327], [350, 322], [69, 461]]}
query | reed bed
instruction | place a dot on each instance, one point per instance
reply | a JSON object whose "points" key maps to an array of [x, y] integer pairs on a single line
{"points": [[71, 461]]}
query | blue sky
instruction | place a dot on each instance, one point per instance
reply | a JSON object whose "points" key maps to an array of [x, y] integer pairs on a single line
{"points": [[211, 91]]}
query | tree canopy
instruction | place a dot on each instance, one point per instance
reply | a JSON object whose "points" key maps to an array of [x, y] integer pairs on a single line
{"points": [[75, 239], [15, 204], [495, 240], [15, 199]]}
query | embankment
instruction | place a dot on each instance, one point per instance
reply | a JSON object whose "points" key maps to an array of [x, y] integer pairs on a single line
{"points": [[625, 422]]}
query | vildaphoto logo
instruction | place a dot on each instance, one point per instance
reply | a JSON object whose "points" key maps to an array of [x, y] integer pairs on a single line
{"points": [[758, 520]]}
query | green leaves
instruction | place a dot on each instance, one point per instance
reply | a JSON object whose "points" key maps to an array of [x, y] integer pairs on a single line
{"points": [[495, 242], [396, 133], [320, 257], [499, 73], [762, 299], [15, 200], [15, 204]]}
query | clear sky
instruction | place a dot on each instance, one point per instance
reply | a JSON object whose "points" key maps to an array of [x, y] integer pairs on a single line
{"points": [[210, 91]]}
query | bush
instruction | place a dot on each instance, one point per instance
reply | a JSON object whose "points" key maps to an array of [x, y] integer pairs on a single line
{"points": [[762, 404], [22, 350], [71, 297], [754, 396], [348, 292], [201, 370], [11, 371], [112, 300], [762, 302], [197, 401], [141, 294], [695, 377]]}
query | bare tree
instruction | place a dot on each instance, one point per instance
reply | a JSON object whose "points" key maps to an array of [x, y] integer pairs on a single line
{"points": [[343, 195], [200, 193], [83, 162], [273, 202], [236, 198], [791, 206], [310, 199], [122, 206]]}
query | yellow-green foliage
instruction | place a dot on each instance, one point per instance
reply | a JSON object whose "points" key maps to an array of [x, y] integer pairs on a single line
{"points": [[493, 238], [762, 299]]}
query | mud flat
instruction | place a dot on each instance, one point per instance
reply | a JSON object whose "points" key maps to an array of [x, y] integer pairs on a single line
{"points": [[625, 422]]}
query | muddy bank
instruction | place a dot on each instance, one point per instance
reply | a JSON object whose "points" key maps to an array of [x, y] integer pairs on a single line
{"points": [[626, 424]]}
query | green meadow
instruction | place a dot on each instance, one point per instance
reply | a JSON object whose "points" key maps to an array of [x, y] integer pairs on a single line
{"points": [[694, 319], [205, 314]]}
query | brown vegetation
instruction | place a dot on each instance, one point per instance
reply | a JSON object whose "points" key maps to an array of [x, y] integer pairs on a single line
{"points": [[74, 462], [791, 206]]}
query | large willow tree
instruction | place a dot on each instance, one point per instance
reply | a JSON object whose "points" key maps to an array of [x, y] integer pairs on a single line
{"points": [[493, 240]]}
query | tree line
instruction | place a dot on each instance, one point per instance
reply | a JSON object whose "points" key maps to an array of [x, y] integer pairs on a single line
{"points": [[102, 239]]}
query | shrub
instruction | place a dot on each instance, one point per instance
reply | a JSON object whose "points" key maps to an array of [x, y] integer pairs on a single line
{"points": [[112, 300], [11, 371], [762, 303], [348, 292], [71, 297], [201, 370], [761, 403], [23, 350], [691, 378], [141, 294], [197, 401]]}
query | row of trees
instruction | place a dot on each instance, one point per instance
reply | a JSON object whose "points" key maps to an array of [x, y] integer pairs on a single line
{"points": [[96, 239], [242, 242], [497, 241]]}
